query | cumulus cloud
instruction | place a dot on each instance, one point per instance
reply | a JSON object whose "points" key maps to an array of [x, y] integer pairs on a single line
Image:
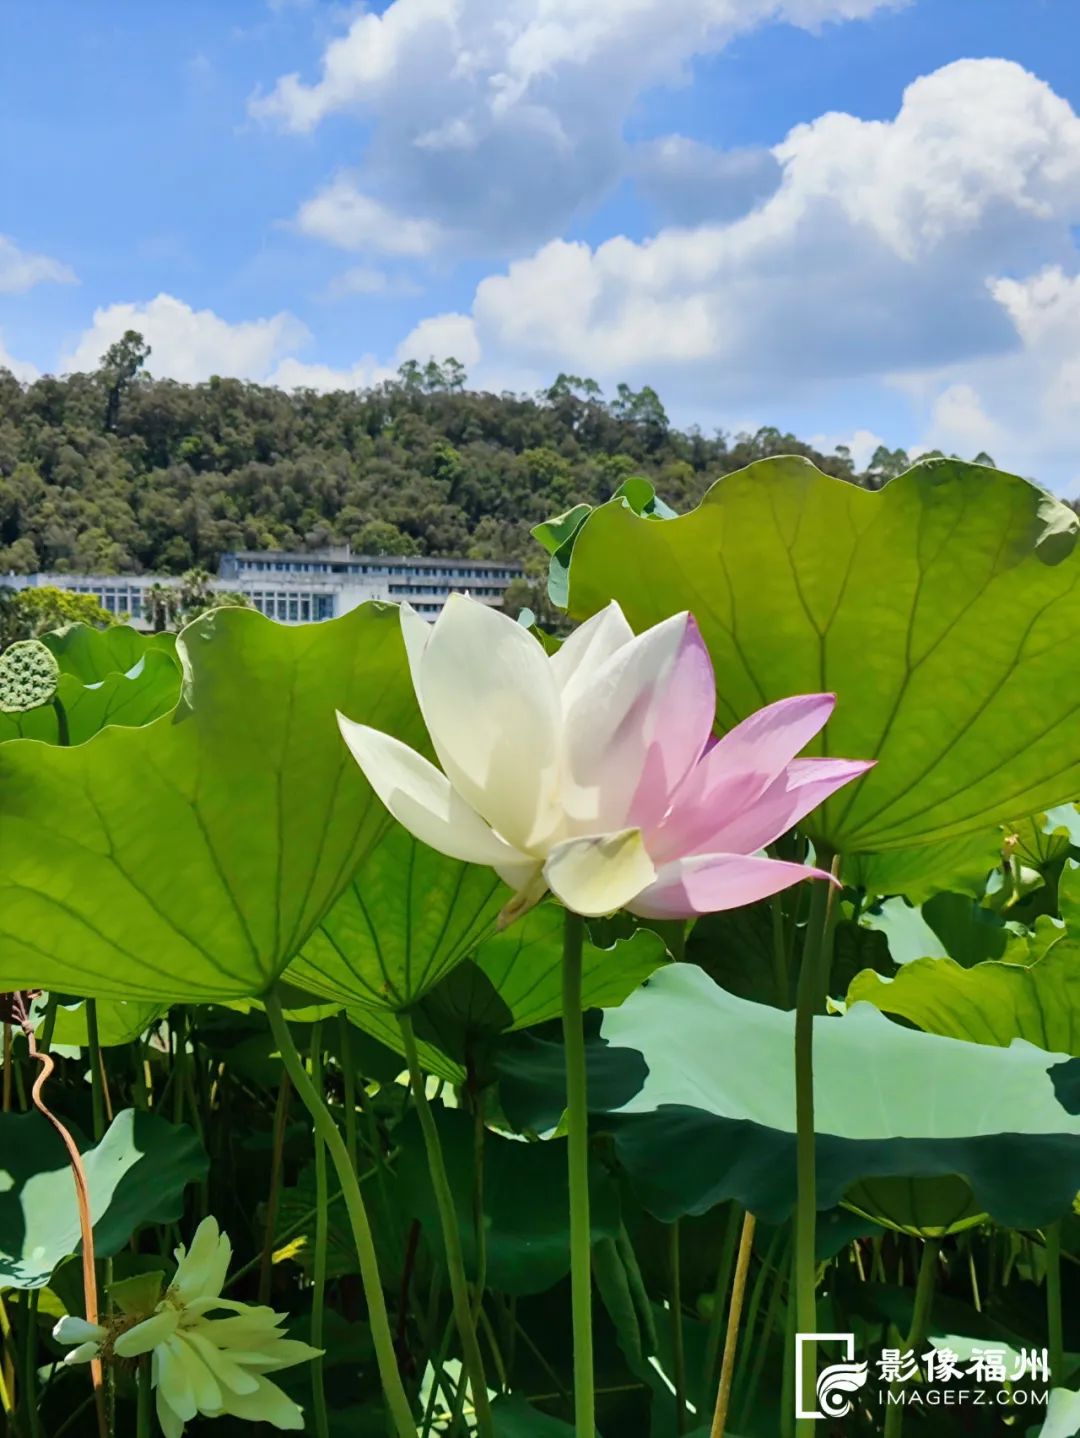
{"points": [[872, 255], [21, 369], [689, 183], [292, 373], [20, 270], [1023, 406], [442, 337], [367, 280], [188, 344], [342, 215], [502, 122]]}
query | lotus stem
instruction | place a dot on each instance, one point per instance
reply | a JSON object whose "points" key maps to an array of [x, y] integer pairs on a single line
{"points": [[322, 1227], [266, 1258], [144, 1389], [393, 1389], [577, 1144], [1054, 1327], [920, 1324], [731, 1337], [813, 980], [678, 1351], [455, 1263]]}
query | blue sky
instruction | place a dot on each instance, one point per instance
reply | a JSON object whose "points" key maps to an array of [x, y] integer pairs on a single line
{"points": [[852, 218]]}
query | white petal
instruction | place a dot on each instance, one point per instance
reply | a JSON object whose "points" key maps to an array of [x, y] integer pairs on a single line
{"points": [[636, 727], [227, 1370], [147, 1334], [267, 1405], [493, 711], [173, 1381], [198, 1267], [200, 1368], [85, 1353], [72, 1329], [599, 874], [587, 648], [422, 799], [416, 633], [172, 1425]]}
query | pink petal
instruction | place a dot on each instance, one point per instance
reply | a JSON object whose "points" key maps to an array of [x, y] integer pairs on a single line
{"points": [[799, 789], [705, 883], [736, 770], [638, 726]]}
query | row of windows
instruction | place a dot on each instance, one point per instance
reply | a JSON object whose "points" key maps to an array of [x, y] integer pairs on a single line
{"points": [[478, 591], [294, 608], [305, 566]]}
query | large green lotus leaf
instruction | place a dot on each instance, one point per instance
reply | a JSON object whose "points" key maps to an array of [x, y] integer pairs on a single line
{"points": [[959, 865], [408, 916], [119, 1022], [191, 859], [942, 610], [715, 1116], [991, 1003], [513, 981], [136, 1174], [90, 654], [150, 690]]}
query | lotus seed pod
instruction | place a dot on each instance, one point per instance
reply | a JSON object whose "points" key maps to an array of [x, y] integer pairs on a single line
{"points": [[29, 675]]}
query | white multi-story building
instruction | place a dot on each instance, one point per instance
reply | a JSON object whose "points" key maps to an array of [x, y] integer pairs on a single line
{"points": [[299, 588]]}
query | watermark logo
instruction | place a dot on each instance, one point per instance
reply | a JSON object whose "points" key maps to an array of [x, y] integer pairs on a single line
{"points": [[835, 1383], [941, 1377]]}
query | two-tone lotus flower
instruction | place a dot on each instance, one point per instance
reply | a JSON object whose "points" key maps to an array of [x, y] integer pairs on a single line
{"points": [[201, 1364], [593, 772]]}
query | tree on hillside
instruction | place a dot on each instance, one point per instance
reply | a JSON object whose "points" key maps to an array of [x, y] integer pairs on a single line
{"points": [[119, 368]]}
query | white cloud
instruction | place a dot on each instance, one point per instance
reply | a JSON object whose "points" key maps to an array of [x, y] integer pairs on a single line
{"points": [[687, 182], [189, 344], [861, 444], [343, 216], [21, 369], [20, 270], [873, 254], [500, 121], [1023, 407], [296, 374], [367, 280], [442, 337]]}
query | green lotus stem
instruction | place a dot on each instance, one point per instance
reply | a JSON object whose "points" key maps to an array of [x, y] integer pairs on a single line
{"points": [[382, 1337], [266, 1258], [322, 1225], [719, 1296], [731, 1338], [678, 1351], [143, 1391], [748, 1391], [455, 1263], [813, 979], [920, 1324], [97, 1095], [1054, 1326], [63, 734], [479, 1226], [577, 1158], [30, 1394], [348, 1079]]}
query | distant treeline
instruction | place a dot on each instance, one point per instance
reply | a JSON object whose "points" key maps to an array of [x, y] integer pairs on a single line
{"points": [[115, 472]]}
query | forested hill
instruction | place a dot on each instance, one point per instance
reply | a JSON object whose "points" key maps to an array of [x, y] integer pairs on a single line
{"points": [[115, 471]]}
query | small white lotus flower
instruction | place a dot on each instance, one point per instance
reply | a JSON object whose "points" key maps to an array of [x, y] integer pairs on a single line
{"points": [[201, 1364]]}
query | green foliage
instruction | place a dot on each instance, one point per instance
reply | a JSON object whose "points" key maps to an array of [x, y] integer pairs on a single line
{"points": [[940, 610], [136, 1175], [211, 842], [114, 471], [29, 613]]}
